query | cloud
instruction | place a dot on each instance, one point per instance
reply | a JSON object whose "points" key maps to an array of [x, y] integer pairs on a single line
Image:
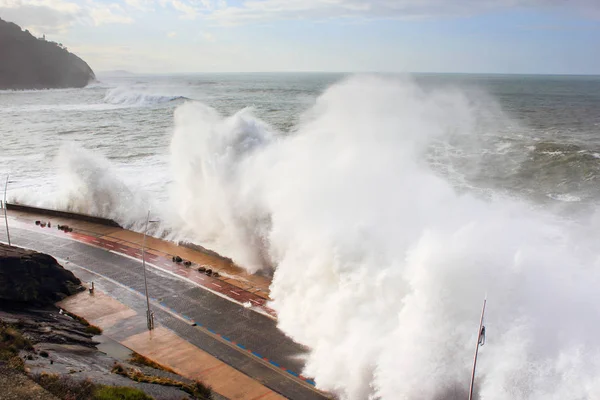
{"points": [[142, 5], [209, 37], [269, 10], [118, 57], [171, 35], [189, 12], [41, 16], [109, 14], [57, 16], [190, 9]]}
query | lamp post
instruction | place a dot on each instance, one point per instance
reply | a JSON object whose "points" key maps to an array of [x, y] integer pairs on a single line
{"points": [[6, 208], [480, 342], [149, 314]]}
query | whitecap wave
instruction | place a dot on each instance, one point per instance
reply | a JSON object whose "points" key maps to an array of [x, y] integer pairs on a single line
{"points": [[565, 197], [131, 97]]}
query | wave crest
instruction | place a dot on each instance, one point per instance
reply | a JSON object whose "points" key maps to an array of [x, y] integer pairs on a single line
{"points": [[129, 97]]}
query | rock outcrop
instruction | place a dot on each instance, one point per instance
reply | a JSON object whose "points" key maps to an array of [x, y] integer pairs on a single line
{"points": [[33, 278], [27, 62]]}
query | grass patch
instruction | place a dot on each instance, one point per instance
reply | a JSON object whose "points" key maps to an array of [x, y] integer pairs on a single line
{"points": [[139, 359], [120, 393], [67, 388], [197, 389], [12, 342], [16, 363], [93, 329], [82, 320], [89, 328]]}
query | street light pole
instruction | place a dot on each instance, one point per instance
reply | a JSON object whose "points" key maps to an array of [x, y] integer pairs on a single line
{"points": [[149, 313], [6, 210], [480, 334]]}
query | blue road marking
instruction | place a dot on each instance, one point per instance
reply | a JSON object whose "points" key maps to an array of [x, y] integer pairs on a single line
{"points": [[293, 373], [257, 355], [226, 338], [275, 364], [310, 382], [241, 346]]}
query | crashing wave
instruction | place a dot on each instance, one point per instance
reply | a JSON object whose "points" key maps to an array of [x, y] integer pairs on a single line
{"points": [[380, 265]]}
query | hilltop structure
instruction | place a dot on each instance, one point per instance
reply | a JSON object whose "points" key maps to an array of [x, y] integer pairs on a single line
{"points": [[32, 63]]}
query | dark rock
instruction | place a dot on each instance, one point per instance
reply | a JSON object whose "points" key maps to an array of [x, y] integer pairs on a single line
{"points": [[209, 272], [201, 269], [34, 278], [32, 63], [37, 222], [187, 263], [216, 274], [178, 259]]}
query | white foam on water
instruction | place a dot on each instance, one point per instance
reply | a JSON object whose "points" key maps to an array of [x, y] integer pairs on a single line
{"points": [[380, 266], [566, 197], [131, 97], [88, 183]]}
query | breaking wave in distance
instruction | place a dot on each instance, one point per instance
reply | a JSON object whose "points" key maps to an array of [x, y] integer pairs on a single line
{"points": [[380, 266], [128, 97]]}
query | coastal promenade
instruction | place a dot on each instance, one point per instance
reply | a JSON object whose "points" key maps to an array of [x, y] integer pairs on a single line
{"points": [[225, 317], [128, 327]]}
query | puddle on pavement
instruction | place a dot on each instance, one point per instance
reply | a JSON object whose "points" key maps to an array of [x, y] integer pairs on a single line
{"points": [[112, 348]]}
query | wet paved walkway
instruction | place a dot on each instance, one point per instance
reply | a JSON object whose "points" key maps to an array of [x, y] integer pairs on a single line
{"points": [[236, 335], [233, 282], [163, 346]]}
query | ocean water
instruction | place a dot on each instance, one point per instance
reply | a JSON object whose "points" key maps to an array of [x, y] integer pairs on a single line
{"points": [[546, 145], [385, 206]]}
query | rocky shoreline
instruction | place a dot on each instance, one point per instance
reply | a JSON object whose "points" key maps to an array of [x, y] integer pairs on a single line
{"points": [[40, 343]]}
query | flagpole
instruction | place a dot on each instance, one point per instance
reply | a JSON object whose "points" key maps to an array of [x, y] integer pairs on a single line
{"points": [[476, 351]]}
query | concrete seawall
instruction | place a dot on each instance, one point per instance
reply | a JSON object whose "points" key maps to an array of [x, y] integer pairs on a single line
{"points": [[105, 222], [62, 214]]}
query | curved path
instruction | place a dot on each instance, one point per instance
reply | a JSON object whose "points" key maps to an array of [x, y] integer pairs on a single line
{"points": [[204, 316]]}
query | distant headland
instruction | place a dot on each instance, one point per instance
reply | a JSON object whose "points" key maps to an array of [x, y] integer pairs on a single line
{"points": [[35, 63]]}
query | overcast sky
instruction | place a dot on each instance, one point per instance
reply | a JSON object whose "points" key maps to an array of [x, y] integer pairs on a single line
{"points": [[162, 36]]}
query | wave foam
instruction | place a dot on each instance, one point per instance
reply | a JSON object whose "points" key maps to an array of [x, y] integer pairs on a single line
{"points": [[88, 183], [128, 97], [380, 265], [569, 198]]}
